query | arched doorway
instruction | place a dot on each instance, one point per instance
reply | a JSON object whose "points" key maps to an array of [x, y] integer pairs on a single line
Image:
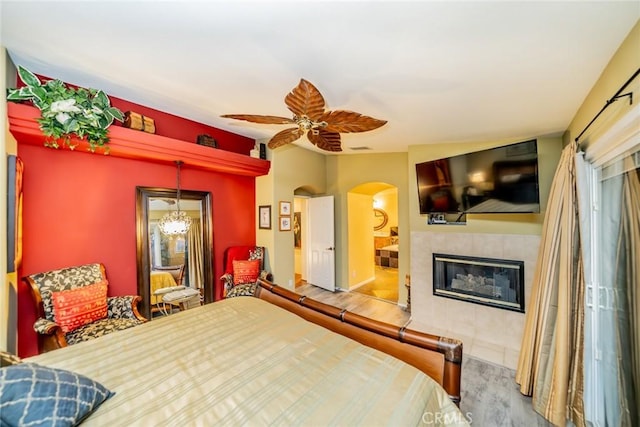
{"points": [[373, 240]]}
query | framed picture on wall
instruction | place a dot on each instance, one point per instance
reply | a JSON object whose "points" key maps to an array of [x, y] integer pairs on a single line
{"points": [[285, 208], [285, 223], [264, 217]]}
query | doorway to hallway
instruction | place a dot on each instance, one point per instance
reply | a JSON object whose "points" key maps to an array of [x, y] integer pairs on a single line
{"points": [[373, 241]]}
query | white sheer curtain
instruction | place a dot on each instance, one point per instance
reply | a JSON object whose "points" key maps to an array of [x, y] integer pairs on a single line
{"points": [[608, 182], [588, 197], [607, 324]]}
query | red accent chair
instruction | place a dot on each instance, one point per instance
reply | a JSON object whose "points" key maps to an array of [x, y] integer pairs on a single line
{"points": [[241, 253]]}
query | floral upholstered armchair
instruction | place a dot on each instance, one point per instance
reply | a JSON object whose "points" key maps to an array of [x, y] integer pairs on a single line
{"points": [[242, 267], [73, 306]]}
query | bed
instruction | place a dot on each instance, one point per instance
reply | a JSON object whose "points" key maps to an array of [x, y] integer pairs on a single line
{"points": [[387, 256], [278, 358]]}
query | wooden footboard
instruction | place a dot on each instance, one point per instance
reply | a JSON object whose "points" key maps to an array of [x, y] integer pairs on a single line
{"points": [[438, 357]]}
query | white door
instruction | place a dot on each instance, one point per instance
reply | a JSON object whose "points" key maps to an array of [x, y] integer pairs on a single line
{"points": [[321, 254]]}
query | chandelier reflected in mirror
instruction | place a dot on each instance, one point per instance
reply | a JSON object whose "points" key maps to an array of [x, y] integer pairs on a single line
{"points": [[176, 222]]}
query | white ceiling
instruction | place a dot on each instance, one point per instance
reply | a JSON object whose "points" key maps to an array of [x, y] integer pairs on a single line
{"points": [[436, 71]]}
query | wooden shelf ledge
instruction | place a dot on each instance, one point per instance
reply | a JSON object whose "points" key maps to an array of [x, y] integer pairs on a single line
{"points": [[133, 144]]}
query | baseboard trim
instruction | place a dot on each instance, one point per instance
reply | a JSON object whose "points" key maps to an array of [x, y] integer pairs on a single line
{"points": [[360, 284]]}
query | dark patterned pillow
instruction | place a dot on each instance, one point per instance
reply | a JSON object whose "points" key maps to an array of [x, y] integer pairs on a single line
{"points": [[35, 395]]}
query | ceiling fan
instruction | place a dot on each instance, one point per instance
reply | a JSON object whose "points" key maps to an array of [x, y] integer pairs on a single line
{"points": [[323, 128]]}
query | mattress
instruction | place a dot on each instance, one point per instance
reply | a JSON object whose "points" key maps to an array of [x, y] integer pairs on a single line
{"points": [[244, 361]]}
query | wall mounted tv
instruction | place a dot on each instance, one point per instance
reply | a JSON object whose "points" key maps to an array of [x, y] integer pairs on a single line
{"points": [[497, 180]]}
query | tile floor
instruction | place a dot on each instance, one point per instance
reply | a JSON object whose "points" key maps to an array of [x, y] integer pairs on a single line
{"points": [[475, 347]]}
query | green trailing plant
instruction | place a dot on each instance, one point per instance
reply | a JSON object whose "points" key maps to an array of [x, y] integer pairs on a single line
{"points": [[65, 111]]}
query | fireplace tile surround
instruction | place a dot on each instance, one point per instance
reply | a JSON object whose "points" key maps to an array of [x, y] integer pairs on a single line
{"points": [[487, 333]]}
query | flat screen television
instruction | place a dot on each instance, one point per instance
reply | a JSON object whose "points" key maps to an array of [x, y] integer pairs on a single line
{"points": [[498, 180]]}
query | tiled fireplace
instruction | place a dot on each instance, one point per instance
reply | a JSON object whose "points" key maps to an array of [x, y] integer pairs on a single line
{"points": [[487, 332]]}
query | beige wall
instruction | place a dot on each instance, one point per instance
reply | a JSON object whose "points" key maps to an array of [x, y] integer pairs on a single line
{"points": [[295, 168], [264, 196], [347, 172], [343, 173], [548, 156], [621, 67], [292, 168], [360, 239]]}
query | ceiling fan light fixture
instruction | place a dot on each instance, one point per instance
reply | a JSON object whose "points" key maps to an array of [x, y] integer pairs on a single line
{"points": [[322, 127]]}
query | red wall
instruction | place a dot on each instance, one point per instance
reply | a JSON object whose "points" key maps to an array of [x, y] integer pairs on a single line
{"points": [[80, 208]]}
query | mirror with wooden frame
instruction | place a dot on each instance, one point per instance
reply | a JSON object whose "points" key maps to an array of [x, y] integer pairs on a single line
{"points": [[184, 259]]}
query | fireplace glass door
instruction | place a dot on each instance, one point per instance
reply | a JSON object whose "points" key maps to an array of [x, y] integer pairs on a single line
{"points": [[494, 282]]}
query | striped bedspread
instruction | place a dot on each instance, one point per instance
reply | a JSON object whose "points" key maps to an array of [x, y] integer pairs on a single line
{"points": [[243, 361]]}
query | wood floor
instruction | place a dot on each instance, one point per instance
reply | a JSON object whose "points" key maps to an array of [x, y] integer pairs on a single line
{"points": [[358, 303]]}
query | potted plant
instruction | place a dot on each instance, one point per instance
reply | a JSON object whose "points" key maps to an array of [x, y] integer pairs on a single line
{"points": [[65, 111]]}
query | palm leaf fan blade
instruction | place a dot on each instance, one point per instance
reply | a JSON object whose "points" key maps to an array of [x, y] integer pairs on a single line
{"points": [[348, 121], [267, 120], [305, 100], [324, 127], [329, 141], [285, 137]]}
